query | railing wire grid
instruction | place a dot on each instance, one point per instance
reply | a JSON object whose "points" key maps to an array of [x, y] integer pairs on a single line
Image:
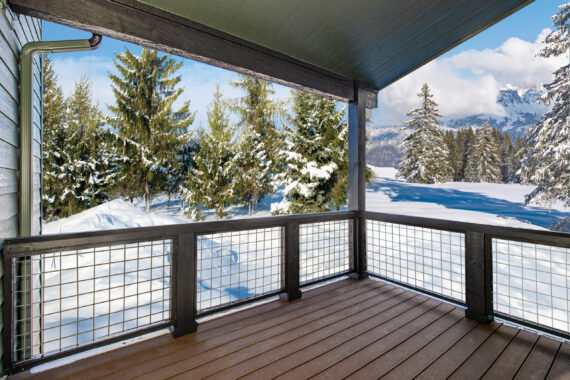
{"points": [[531, 282], [425, 258], [68, 299], [236, 266], [324, 249]]}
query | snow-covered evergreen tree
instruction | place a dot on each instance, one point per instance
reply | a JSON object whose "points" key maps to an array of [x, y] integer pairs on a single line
{"points": [[506, 157], [260, 141], [54, 141], [487, 156], [426, 154], [453, 157], [547, 163], [315, 157], [149, 130], [253, 177], [209, 183], [257, 110], [469, 169]]}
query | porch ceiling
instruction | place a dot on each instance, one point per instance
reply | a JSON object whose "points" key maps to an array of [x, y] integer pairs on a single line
{"points": [[376, 41], [321, 46]]}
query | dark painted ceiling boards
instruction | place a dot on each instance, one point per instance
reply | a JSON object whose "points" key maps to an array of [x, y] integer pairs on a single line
{"points": [[377, 41]]}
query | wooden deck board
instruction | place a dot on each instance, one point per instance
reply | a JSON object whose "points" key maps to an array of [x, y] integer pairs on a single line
{"points": [[356, 329]]}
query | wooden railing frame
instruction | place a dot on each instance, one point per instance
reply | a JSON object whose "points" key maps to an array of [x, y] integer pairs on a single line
{"points": [[478, 261], [184, 312], [478, 281]]}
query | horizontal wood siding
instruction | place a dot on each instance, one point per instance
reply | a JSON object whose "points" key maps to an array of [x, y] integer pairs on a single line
{"points": [[15, 31]]}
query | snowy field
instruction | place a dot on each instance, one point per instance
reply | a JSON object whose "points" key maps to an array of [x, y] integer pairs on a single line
{"points": [[485, 203], [232, 266]]}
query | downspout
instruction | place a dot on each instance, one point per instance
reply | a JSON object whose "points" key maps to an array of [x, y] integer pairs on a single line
{"points": [[26, 112]]}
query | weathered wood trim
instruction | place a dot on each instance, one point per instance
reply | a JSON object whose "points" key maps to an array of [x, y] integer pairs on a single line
{"points": [[129, 20]]}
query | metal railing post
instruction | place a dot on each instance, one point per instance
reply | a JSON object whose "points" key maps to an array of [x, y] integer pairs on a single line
{"points": [[292, 291], [478, 277], [184, 280]]}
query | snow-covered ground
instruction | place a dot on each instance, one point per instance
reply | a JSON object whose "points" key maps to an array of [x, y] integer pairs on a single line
{"points": [[231, 266], [485, 203]]}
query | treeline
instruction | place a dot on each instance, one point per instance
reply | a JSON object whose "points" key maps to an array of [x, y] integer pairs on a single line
{"points": [[147, 147], [432, 155], [484, 155]]}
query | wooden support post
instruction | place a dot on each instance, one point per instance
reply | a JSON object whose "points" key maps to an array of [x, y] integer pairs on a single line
{"points": [[292, 291], [357, 174], [478, 277], [184, 277]]}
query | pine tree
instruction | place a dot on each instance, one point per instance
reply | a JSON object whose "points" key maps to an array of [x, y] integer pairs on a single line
{"points": [[314, 178], [54, 141], [209, 183], [453, 157], [426, 154], [519, 153], [507, 153], [547, 162], [469, 169], [487, 156], [253, 178], [149, 130], [260, 141]]}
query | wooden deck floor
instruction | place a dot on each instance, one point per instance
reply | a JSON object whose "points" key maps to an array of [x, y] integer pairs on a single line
{"points": [[348, 329]]}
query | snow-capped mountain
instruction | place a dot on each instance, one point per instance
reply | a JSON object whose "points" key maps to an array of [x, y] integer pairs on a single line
{"points": [[522, 110]]}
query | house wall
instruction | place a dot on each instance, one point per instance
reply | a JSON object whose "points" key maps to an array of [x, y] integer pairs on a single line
{"points": [[15, 31]]}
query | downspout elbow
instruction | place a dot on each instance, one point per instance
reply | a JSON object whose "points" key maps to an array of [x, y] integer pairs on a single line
{"points": [[26, 176]]}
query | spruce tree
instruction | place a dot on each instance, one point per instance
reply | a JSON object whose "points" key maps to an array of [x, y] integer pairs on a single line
{"points": [[547, 162], [54, 141], [426, 154], [259, 143], [209, 183], [150, 131], [487, 156], [315, 158], [507, 153], [469, 169], [519, 153], [453, 157]]}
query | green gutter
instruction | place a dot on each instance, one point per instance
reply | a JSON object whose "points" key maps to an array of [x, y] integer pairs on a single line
{"points": [[26, 158]]}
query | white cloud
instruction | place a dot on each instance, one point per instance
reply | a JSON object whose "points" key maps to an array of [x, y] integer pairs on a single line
{"points": [[95, 67], [469, 82]]}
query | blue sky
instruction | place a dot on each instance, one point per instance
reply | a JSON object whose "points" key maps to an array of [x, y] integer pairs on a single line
{"points": [[477, 67]]}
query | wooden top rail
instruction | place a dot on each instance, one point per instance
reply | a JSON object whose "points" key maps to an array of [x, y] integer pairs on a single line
{"points": [[559, 239], [23, 246]]}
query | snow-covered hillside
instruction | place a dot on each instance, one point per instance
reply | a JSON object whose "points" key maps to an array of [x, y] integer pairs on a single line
{"points": [[495, 204], [485, 203], [522, 110]]}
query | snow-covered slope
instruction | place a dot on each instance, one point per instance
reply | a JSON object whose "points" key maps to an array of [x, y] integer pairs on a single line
{"points": [[111, 215], [484, 203]]}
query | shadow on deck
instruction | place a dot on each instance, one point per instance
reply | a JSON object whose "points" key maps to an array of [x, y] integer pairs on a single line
{"points": [[361, 330]]}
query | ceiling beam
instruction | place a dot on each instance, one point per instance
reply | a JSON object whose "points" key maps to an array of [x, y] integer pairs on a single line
{"points": [[139, 23]]}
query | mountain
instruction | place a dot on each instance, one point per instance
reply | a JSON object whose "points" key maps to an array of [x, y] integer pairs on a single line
{"points": [[522, 110]]}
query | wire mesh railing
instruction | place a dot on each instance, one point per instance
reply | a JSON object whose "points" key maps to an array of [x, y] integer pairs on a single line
{"points": [[238, 265], [72, 298], [425, 258], [68, 293], [531, 282], [325, 249]]}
